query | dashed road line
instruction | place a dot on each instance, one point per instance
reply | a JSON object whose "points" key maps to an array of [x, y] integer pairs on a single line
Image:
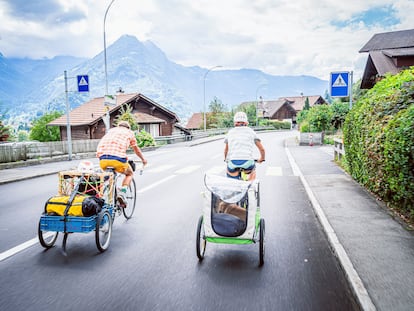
{"points": [[274, 171]]}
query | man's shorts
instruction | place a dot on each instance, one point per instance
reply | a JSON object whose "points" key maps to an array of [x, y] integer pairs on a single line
{"points": [[120, 167], [233, 165]]}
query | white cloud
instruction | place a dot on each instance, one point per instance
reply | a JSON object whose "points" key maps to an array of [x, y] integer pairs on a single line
{"points": [[310, 37]]}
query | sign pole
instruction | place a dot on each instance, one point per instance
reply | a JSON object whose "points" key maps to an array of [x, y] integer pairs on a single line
{"points": [[68, 130], [350, 90]]}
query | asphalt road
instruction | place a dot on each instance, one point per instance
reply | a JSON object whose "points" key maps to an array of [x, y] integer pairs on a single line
{"points": [[151, 263]]}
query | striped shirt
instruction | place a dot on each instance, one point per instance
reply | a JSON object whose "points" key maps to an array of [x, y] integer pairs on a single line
{"points": [[116, 142], [241, 141]]}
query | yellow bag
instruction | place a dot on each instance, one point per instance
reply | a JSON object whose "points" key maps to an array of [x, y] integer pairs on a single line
{"points": [[58, 204]]}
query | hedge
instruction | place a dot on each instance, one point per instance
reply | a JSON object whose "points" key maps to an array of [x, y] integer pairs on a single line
{"points": [[379, 141]]}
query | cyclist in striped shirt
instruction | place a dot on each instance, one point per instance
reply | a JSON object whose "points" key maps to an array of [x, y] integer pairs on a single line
{"points": [[240, 143], [112, 150]]}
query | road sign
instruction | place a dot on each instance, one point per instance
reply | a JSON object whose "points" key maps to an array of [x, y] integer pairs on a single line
{"points": [[340, 84], [83, 83]]}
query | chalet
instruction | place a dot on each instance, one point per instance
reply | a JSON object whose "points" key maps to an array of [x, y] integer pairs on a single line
{"points": [[196, 121], [279, 109], [287, 107], [87, 121], [388, 52]]}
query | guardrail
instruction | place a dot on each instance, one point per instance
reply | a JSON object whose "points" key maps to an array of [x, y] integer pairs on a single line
{"points": [[339, 149], [28, 151]]}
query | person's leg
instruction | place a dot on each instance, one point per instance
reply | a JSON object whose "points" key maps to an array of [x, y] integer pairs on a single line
{"points": [[129, 174]]}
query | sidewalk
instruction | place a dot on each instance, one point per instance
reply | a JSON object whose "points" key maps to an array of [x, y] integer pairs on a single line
{"points": [[375, 251]]}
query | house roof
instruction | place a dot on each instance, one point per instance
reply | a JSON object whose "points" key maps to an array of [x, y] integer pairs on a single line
{"points": [[384, 49], [94, 110], [390, 40], [196, 121], [298, 102], [143, 118]]}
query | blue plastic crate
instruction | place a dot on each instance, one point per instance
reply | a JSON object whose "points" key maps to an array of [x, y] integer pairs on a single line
{"points": [[73, 224]]}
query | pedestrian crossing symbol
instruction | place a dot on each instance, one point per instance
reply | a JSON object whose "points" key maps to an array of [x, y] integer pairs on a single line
{"points": [[83, 83], [339, 84]]}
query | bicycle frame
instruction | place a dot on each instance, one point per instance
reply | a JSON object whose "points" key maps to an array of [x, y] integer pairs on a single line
{"points": [[130, 194]]}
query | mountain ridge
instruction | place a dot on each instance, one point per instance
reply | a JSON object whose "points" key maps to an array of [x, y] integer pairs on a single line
{"points": [[29, 88]]}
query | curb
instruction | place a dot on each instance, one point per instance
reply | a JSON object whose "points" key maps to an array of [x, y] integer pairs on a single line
{"points": [[352, 276]]}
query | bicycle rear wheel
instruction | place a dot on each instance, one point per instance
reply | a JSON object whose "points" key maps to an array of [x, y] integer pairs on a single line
{"points": [[131, 197], [103, 230]]}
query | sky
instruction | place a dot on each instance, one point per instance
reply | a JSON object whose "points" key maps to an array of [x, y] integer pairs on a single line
{"points": [[278, 37]]}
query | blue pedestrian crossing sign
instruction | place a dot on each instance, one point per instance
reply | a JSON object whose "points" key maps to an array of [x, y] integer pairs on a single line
{"points": [[83, 83], [340, 84]]}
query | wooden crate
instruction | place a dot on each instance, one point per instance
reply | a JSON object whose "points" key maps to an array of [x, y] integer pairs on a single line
{"points": [[94, 184]]}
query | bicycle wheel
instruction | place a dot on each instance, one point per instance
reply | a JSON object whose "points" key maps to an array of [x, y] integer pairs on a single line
{"points": [[201, 242], [261, 242], [131, 197], [47, 238], [103, 230]]}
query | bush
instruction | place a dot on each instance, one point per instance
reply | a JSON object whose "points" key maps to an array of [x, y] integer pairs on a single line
{"points": [[379, 141], [319, 118], [278, 125], [144, 139]]}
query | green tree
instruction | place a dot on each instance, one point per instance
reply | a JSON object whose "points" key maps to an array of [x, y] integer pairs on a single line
{"points": [[41, 132], [339, 111], [317, 119], [5, 131], [218, 116], [216, 106], [306, 106], [125, 114]]}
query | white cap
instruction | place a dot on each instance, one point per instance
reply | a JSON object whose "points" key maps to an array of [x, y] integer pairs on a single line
{"points": [[240, 117]]}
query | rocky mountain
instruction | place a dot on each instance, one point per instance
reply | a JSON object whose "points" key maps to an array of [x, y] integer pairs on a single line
{"points": [[28, 88]]}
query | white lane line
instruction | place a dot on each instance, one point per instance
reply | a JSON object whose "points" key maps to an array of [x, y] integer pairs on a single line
{"points": [[352, 275], [160, 168], [187, 169], [156, 184], [274, 171], [13, 251], [18, 248]]}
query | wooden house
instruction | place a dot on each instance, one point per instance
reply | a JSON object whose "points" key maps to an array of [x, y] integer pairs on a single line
{"points": [[388, 52], [87, 120]]}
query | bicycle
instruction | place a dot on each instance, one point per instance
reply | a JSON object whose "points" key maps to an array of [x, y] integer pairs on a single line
{"points": [[130, 195]]}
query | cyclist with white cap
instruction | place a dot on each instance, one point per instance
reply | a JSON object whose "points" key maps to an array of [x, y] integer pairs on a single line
{"points": [[240, 143]]}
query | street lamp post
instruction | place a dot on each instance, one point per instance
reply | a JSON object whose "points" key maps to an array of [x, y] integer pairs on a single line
{"points": [[205, 76], [257, 103], [107, 125]]}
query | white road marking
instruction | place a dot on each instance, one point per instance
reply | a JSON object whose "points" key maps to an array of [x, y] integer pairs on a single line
{"points": [[187, 169], [160, 168], [274, 171], [13, 251], [156, 184], [18, 248]]}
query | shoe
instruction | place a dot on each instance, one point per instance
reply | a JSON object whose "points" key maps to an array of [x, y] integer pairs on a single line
{"points": [[122, 200]]}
